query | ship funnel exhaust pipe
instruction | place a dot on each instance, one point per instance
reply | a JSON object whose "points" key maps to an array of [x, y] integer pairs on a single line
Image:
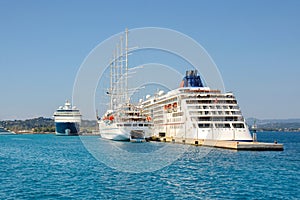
{"points": [[192, 79]]}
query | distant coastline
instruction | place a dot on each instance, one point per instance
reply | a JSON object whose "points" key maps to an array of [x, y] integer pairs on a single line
{"points": [[281, 125], [32, 132], [41, 125]]}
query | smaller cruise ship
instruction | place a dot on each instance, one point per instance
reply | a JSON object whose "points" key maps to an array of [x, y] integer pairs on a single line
{"points": [[126, 123], [67, 120], [4, 131]]}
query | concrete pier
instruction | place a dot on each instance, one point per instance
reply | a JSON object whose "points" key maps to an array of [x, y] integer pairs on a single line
{"points": [[235, 145]]}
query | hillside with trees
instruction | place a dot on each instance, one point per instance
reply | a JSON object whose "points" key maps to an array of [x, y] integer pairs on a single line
{"points": [[41, 125]]}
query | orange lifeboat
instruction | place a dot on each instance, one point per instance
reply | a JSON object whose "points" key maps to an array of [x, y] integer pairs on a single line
{"points": [[111, 118], [166, 107], [148, 118], [170, 108], [175, 107]]}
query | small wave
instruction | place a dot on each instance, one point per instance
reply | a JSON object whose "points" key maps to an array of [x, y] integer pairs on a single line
{"points": [[21, 139]]}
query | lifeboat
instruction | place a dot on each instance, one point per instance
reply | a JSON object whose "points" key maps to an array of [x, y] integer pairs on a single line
{"points": [[175, 107], [170, 108], [111, 118], [165, 107], [148, 118]]}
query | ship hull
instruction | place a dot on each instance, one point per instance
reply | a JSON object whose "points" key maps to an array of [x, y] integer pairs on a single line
{"points": [[207, 134], [117, 133], [66, 128], [112, 132]]}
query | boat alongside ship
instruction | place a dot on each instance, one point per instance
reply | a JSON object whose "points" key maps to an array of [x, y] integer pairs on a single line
{"points": [[67, 120]]}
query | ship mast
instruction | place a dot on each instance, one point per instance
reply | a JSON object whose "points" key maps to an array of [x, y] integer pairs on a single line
{"points": [[111, 84], [113, 79], [118, 75], [126, 66], [121, 81]]}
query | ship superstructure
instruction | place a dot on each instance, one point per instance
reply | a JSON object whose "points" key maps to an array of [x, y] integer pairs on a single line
{"points": [[196, 112], [67, 120]]}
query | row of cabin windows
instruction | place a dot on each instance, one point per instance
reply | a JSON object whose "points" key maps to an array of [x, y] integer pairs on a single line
{"points": [[217, 118], [236, 107], [157, 108], [178, 114], [157, 116], [158, 121], [129, 125], [215, 113], [178, 119], [172, 100], [158, 112], [176, 126], [215, 101], [238, 125], [208, 96]]}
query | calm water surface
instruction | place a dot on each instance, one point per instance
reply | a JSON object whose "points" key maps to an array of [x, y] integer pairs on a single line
{"points": [[51, 167]]}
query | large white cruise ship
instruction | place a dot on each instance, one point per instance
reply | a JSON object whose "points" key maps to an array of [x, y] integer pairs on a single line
{"points": [[67, 120], [196, 112], [123, 120]]}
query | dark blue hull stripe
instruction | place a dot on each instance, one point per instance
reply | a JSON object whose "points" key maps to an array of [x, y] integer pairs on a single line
{"points": [[66, 128]]}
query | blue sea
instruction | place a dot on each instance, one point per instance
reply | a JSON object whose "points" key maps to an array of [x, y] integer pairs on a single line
{"points": [[53, 167]]}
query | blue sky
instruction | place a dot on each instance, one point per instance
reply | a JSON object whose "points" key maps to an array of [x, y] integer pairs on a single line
{"points": [[255, 45]]}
